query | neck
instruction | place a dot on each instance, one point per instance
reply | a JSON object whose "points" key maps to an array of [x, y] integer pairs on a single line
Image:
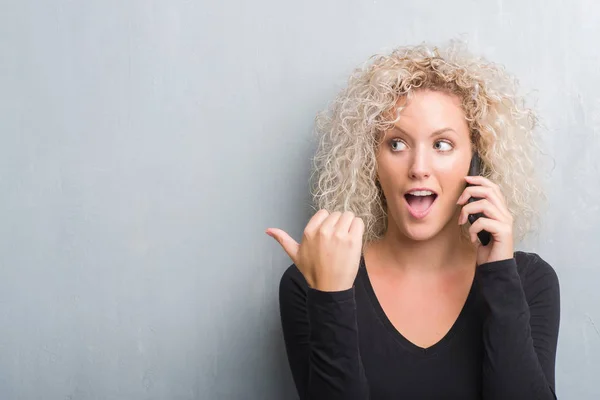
{"points": [[444, 252]]}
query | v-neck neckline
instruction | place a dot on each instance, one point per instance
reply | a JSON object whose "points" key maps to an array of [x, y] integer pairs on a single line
{"points": [[410, 346]]}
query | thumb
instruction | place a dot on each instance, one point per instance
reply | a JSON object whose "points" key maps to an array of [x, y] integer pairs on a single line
{"points": [[290, 246]]}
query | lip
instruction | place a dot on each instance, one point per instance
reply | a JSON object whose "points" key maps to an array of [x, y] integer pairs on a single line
{"points": [[420, 214], [420, 188]]}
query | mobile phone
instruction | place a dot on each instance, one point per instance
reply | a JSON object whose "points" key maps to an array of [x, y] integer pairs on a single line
{"points": [[474, 170]]}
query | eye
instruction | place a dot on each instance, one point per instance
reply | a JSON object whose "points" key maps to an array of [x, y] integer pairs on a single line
{"points": [[443, 145], [400, 145]]}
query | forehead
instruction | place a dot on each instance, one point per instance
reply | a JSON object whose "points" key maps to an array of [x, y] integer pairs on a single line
{"points": [[427, 106], [427, 110], [426, 114]]}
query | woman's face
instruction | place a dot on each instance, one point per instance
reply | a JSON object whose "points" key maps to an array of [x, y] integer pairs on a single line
{"points": [[428, 150]]}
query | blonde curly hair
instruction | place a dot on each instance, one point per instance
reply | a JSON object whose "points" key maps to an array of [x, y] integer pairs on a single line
{"points": [[351, 128]]}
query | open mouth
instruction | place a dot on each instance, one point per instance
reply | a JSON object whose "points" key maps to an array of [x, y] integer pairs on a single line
{"points": [[421, 203]]}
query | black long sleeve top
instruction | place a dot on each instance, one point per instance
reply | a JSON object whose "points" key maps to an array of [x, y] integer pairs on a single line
{"points": [[341, 345]]}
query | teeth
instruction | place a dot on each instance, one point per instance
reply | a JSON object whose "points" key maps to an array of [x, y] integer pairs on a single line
{"points": [[421, 193]]}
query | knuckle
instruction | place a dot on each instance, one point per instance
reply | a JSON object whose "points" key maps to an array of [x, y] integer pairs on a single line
{"points": [[340, 235], [308, 233], [321, 214], [360, 225], [324, 231]]}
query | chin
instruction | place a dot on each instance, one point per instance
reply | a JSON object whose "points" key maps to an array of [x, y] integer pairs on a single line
{"points": [[424, 229], [421, 233]]}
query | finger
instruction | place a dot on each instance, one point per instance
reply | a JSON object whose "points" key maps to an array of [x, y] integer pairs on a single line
{"points": [[290, 246], [479, 180], [316, 221], [494, 188], [499, 230], [329, 224], [357, 228], [485, 182], [482, 192], [343, 224], [482, 206]]}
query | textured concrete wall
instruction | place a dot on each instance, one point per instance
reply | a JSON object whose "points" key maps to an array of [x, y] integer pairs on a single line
{"points": [[146, 145]]}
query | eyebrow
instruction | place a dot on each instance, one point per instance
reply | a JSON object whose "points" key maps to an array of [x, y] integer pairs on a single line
{"points": [[434, 133]]}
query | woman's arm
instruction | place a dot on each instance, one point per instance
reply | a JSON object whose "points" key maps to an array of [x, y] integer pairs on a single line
{"points": [[321, 338], [520, 332]]}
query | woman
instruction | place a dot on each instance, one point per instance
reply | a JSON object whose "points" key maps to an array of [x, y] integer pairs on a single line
{"points": [[391, 294]]}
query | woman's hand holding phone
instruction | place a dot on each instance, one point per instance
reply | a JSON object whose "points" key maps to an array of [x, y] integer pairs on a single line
{"points": [[329, 255], [497, 219]]}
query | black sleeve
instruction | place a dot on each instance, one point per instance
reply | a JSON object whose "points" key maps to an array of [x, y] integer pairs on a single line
{"points": [[520, 331], [321, 338]]}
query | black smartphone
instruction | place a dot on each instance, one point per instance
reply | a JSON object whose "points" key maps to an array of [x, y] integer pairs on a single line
{"points": [[474, 170]]}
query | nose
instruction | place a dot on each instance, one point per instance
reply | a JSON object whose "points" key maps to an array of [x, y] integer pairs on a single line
{"points": [[420, 167]]}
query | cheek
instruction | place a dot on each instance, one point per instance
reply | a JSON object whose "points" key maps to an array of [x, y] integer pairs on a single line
{"points": [[391, 173], [451, 175]]}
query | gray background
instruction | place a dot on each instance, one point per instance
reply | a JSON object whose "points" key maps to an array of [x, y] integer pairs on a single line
{"points": [[146, 145]]}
